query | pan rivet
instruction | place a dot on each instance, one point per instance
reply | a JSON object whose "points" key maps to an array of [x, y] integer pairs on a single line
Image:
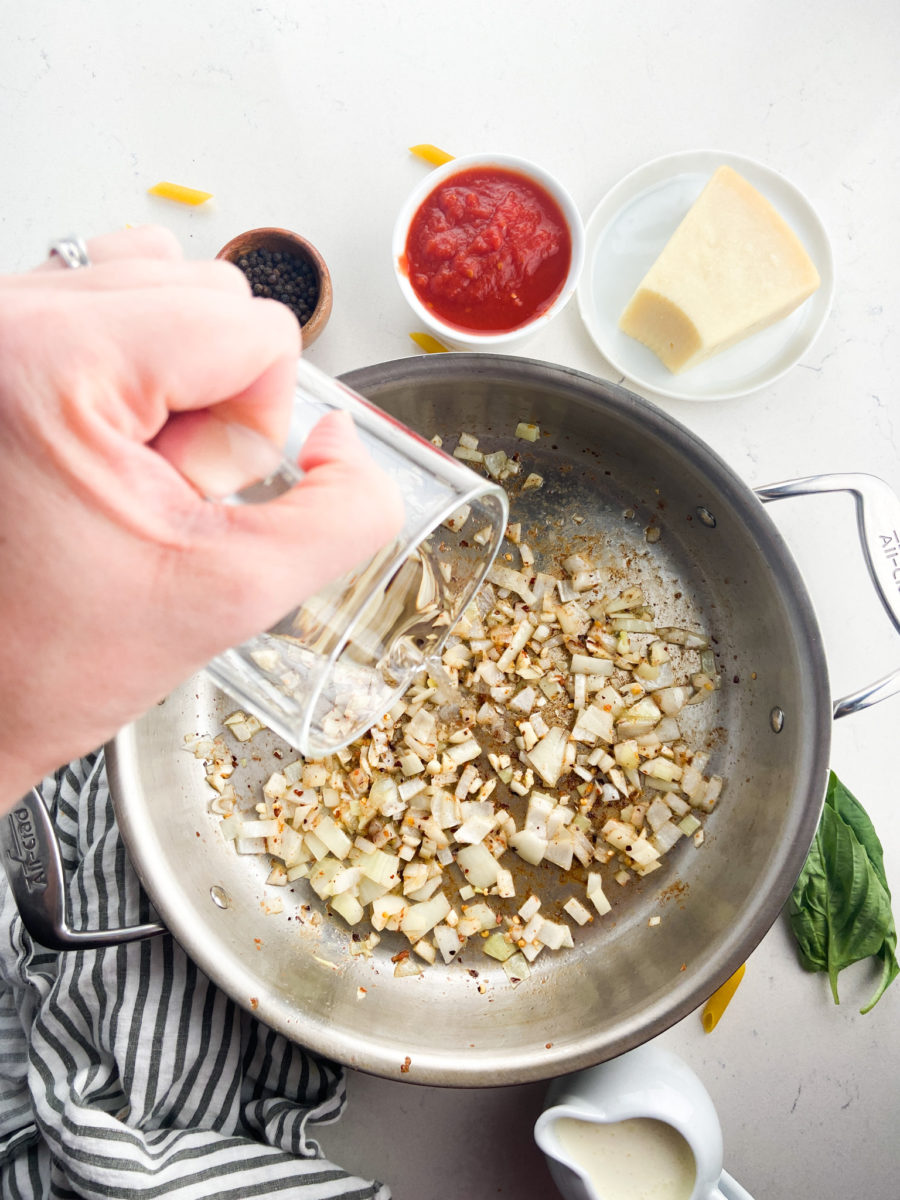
{"points": [[219, 896], [776, 719], [706, 516]]}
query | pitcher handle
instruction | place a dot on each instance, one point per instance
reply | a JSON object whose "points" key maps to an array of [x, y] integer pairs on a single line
{"points": [[729, 1189], [878, 523]]}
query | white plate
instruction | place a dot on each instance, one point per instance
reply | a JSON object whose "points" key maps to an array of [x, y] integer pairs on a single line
{"points": [[626, 233]]}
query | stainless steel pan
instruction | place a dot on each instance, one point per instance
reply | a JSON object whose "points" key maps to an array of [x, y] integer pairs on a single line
{"points": [[613, 465]]}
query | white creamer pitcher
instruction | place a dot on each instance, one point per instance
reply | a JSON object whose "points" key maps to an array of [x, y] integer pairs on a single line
{"points": [[641, 1127]]}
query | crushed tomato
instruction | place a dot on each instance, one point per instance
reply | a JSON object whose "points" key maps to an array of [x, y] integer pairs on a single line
{"points": [[488, 250]]}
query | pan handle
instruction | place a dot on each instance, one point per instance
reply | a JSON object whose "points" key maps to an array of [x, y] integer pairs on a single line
{"points": [[34, 867], [878, 521]]}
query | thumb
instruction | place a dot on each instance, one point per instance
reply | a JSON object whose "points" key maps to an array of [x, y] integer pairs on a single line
{"points": [[231, 444], [219, 457], [343, 510]]}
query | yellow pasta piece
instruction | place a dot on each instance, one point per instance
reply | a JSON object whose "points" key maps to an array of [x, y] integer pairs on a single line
{"points": [[176, 191], [428, 343], [431, 154], [720, 999]]}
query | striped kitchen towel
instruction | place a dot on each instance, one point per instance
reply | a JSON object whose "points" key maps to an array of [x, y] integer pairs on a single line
{"points": [[125, 1072]]}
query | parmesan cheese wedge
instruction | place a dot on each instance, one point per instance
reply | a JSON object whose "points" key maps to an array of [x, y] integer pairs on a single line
{"points": [[731, 268]]}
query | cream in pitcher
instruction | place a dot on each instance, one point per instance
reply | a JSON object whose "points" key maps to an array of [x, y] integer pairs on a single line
{"points": [[639, 1127], [636, 1159]]}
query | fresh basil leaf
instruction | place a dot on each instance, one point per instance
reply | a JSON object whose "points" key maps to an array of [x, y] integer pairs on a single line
{"points": [[840, 908], [888, 954], [852, 812], [808, 910], [857, 909]]}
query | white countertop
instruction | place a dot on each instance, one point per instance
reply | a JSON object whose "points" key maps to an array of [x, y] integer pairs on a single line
{"points": [[300, 115]]}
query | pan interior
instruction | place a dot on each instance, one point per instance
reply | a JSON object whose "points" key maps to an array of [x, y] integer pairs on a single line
{"points": [[614, 467]]}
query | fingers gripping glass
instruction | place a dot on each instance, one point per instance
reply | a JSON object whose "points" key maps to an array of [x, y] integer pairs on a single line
{"points": [[339, 661]]}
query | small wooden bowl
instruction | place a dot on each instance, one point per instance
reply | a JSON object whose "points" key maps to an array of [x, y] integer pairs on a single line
{"points": [[286, 242]]}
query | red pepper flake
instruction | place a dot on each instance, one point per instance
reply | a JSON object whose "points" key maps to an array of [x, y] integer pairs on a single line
{"points": [[405, 1065], [254, 1003], [258, 943], [400, 956]]}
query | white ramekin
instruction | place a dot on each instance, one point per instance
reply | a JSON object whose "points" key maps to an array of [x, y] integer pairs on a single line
{"points": [[453, 335]]}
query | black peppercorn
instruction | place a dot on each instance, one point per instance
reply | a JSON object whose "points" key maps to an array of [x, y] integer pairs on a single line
{"points": [[285, 277]]}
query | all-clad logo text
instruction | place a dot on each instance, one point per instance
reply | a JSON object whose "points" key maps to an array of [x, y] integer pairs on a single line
{"points": [[23, 849], [890, 544]]}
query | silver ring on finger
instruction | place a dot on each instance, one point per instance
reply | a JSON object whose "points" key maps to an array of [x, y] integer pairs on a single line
{"points": [[72, 250]]}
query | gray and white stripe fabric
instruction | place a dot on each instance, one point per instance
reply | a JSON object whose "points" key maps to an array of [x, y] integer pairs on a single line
{"points": [[125, 1072]]}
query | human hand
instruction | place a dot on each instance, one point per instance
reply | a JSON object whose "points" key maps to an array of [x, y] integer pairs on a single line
{"points": [[118, 579]]}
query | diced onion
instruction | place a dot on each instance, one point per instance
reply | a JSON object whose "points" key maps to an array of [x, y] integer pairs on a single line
{"points": [[548, 755], [527, 431], [556, 703]]}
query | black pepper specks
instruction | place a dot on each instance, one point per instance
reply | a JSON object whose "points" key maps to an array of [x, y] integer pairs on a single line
{"points": [[284, 277]]}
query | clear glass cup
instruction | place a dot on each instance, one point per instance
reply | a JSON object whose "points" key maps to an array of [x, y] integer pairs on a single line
{"points": [[334, 665]]}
